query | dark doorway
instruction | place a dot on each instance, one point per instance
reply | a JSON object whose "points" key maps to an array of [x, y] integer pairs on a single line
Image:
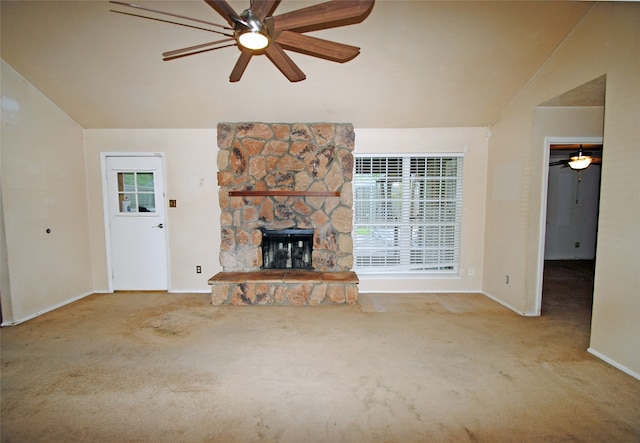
{"points": [[570, 241]]}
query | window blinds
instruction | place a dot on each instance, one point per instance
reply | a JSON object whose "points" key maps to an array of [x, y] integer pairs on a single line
{"points": [[407, 213]]}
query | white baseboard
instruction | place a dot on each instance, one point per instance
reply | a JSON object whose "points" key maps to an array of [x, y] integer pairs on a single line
{"points": [[614, 363], [189, 291], [411, 291], [71, 300], [44, 311], [507, 305], [495, 299]]}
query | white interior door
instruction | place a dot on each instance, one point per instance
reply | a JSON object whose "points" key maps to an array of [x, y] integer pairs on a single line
{"points": [[137, 223]]}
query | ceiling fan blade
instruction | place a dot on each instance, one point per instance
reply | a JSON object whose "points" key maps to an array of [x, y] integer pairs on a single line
{"points": [[170, 22], [324, 15], [264, 8], [173, 57], [317, 47], [282, 61], [241, 65], [559, 162], [225, 10], [171, 14], [193, 48]]}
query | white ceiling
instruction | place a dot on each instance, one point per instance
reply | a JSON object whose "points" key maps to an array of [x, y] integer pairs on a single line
{"points": [[422, 64]]}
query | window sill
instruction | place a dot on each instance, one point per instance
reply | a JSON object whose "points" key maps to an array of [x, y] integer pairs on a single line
{"points": [[381, 275]]}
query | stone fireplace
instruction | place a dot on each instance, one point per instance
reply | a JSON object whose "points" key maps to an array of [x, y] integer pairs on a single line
{"points": [[275, 179]]}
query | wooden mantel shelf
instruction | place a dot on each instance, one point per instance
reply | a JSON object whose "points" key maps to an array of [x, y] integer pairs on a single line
{"points": [[280, 193]]}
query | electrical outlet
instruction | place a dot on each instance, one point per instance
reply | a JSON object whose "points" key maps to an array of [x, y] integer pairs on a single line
{"points": [[198, 269], [173, 203], [506, 279], [577, 244]]}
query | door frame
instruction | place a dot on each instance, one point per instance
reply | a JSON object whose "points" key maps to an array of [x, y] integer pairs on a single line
{"points": [[548, 141], [105, 208]]}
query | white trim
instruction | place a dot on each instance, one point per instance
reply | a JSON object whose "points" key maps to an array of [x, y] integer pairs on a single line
{"points": [[447, 291], [44, 311], [507, 305], [406, 275], [495, 299], [613, 363], [105, 208], [412, 154], [105, 212], [548, 141], [189, 291]]}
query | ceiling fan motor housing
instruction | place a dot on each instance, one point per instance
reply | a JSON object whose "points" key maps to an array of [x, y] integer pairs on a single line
{"points": [[250, 32]]}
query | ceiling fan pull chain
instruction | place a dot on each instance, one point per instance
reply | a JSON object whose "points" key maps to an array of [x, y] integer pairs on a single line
{"points": [[578, 188]]}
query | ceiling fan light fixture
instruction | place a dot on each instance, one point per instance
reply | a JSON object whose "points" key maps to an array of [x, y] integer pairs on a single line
{"points": [[579, 160], [253, 40], [251, 33]]}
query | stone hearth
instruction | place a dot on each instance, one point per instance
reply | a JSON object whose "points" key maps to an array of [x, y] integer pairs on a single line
{"points": [[284, 287], [283, 176]]}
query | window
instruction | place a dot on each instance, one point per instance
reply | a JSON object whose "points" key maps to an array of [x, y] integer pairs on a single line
{"points": [[407, 213], [136, 192]]}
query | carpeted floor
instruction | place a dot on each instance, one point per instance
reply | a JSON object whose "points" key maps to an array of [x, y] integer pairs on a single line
{"points": [[161, 367]]}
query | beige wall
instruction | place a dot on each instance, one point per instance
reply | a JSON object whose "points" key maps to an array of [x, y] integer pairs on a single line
{"points": [[193, 226], [473, 143], [514, 188], [43, 187]]}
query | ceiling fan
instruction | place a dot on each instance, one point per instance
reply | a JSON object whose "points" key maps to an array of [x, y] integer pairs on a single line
{"points": [[256, 31], [577, 160]]}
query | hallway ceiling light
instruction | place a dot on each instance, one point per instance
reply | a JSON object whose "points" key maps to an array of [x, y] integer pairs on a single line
{"points": [[580, 160]]}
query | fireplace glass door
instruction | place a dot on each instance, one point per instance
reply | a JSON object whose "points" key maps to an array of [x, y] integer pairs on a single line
{"points": [[287, 249]]}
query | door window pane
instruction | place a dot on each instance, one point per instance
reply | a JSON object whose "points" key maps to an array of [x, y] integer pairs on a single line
{"points": [[136, 192]]}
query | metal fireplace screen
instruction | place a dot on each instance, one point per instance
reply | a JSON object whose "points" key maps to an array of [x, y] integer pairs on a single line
{"points": [[287, 249]]}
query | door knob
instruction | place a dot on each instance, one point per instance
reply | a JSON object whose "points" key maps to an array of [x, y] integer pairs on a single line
{"points": [[159, 226]]}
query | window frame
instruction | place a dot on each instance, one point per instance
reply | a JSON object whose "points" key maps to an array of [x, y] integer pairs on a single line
{"points": [[408, 236]]}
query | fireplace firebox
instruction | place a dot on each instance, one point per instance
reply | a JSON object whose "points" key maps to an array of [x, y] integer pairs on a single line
{"points": [[287, 249]]}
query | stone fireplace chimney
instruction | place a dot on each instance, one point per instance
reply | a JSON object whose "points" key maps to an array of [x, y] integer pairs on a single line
{"points": [[285, 176], [284, 179]]}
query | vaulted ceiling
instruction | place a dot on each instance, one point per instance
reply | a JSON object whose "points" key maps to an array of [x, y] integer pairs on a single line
{"points": [[422, 64]]}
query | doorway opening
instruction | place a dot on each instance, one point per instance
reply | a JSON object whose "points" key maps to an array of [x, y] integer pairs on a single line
{"points": [[573, 118], [135, 221], [570, 233]]}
